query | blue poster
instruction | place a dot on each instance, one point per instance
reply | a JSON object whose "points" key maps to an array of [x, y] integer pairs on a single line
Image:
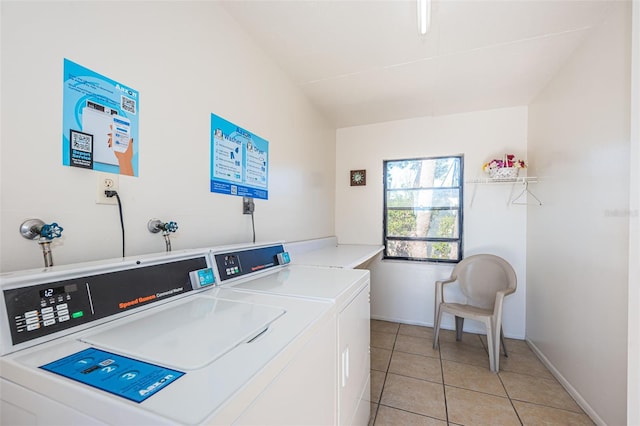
{"points": [[100, 122], [125, 377], [239, 161]]}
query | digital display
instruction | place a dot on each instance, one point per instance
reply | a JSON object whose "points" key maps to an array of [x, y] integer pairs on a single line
{"points": [[50, 292], [54, 291]]}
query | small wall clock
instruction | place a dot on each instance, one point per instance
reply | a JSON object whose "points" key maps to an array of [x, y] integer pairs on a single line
{"points": [[358, 177]]}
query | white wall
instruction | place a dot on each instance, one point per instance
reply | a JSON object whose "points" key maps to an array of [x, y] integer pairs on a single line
{"points": [[188, 60], [404, 291], [578, 242], [633, 357]]}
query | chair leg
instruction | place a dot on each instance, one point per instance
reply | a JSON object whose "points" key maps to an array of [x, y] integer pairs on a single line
{"points": [[504, 346], [497, 335], [491, 346], [436, 330], [459, 326]]}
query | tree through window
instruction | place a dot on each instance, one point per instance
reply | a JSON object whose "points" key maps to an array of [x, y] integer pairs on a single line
{"points": [[423, 209]]}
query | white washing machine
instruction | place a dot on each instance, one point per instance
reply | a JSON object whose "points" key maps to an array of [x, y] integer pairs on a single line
{"points": [[154, 340], [346, 289]]}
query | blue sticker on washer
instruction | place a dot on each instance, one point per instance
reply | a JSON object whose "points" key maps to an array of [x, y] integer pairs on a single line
{"points": [[125, 377]]}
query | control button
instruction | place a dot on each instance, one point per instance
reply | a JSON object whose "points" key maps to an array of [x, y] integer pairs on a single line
{"points": [[78, 314], [129, 375], [31, 314], [63, 318], [32, 327], [32, 320], [48, 316], [62, 306], [63, 313], [109, 369], [82, 363], [49, 322], [47, 310]]}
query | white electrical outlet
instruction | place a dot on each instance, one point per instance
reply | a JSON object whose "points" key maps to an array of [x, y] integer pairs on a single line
{"points": [[106, 182]]}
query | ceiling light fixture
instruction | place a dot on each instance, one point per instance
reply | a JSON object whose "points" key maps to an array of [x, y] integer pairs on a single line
{"points": [[424, 15]]}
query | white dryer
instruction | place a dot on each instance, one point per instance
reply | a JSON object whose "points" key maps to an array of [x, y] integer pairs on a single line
{"points": [[346, 289], [153, 340]]}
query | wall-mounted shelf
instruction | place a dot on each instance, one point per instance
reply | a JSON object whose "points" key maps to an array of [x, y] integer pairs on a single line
{"points": [[524, 181], [520, 179]]}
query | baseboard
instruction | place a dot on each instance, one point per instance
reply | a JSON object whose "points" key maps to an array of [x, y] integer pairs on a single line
{"points": [[568, 387], [469, 325], [401, 321]]}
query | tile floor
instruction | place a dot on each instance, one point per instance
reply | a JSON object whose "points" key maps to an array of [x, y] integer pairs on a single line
{"points": [[413, 384]]}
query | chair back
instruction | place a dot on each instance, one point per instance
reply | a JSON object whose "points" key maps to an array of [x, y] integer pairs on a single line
{"points": [[481, 276]]}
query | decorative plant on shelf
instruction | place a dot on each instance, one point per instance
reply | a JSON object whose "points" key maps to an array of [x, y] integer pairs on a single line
{"points": [[506, 168]]}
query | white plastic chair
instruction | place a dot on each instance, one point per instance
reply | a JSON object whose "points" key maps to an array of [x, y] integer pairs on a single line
{"points": [[484, 280]]}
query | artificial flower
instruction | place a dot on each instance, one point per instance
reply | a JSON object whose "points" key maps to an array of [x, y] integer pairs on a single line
{"points": [[509, 161]]}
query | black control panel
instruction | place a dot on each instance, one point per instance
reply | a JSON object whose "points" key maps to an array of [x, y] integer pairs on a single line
{"points": [[42, 309], [235, 264]]}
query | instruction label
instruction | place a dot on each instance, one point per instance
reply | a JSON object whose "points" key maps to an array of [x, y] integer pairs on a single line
{"points": [[125, 377], [239, 161]]}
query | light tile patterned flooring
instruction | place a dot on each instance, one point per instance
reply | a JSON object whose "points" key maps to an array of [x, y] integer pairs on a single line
{"points": [[413, 384]]}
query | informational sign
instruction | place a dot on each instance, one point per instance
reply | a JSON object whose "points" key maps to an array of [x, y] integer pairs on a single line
{"points": [[239, 161], [125, 377], [100, 122]]}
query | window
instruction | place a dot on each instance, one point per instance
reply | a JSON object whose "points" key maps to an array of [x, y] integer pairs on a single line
{"points": [[423, 209]]}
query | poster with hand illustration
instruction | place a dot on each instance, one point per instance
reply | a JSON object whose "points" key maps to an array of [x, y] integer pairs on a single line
{"points": [[100, 122]]}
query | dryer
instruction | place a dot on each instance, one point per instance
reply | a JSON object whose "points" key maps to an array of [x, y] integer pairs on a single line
{"points": [[154, 340], [346, 289]]}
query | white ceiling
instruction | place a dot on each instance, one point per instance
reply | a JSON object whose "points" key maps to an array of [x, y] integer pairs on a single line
{"points": [[364, 61]]}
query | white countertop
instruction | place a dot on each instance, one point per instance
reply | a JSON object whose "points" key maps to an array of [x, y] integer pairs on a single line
{"points": [[339, 256]]}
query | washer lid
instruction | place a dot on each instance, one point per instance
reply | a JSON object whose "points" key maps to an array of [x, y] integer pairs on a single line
{"points": [[187, 335], [334, 284]]}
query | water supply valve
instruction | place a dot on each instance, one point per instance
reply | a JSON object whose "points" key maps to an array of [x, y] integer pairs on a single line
{"points": [[33, 229], [170, 227], [51, 231], [156, 225]]}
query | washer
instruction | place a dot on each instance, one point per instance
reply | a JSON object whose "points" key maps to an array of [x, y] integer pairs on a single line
{"points": [[346, 289], [153, 340]]}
